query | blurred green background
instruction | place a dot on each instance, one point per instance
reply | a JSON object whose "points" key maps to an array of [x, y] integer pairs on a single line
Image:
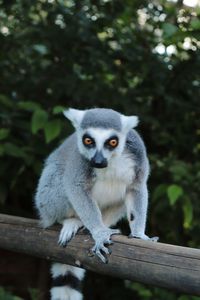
{"points": [[135, 56]]}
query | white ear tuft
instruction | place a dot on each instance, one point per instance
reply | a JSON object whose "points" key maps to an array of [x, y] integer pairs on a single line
{"points": [[74, 115], [129, 122]]}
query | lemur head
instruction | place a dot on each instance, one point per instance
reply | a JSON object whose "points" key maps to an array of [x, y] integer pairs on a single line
{"points": [[101, 133]]}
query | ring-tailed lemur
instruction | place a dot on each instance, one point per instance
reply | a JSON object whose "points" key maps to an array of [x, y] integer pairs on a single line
{"points": [[93, 179]]}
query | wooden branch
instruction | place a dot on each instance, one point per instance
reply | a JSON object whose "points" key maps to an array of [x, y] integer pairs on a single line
{"points": [[168, 266]]}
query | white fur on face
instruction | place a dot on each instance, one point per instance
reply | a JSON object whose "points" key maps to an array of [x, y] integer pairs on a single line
{"points": [[87, 153], [100, 135]]}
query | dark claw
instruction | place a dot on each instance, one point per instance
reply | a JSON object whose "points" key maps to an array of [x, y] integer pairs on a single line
{"points": [[109, 242], [106, 260], [81, 229], [154, 239], [110, 251], [99, 253], [102, 257], [62, 244], [91, 253], [133, 237]]}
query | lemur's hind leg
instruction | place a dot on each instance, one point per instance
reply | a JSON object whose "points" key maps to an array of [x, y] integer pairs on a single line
{"points": [[69, 229]]}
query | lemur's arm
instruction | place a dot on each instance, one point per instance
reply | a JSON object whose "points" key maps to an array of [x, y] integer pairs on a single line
{"points": [[89, 213], [137, 196], [87, 210]]}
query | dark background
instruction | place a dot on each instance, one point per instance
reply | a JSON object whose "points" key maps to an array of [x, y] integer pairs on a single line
{"points": [[138, 57]]}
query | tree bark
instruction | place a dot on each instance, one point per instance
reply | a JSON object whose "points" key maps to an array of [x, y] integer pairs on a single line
{"points": [[173, 267]]}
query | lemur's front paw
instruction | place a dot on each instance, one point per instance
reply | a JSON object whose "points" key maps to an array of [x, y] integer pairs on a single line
{"points": [[144, 237], [102, 238]]}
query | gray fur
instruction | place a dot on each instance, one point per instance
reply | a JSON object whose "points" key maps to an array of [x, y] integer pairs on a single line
{"points": [[103, 118], [68, 187]]}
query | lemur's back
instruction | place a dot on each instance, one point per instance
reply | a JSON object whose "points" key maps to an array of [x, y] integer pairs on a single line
{"points": [[61, 154], [51, 199]]}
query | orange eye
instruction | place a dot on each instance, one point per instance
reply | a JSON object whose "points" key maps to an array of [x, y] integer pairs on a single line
{"points": [[113, 143], [88, 141]]}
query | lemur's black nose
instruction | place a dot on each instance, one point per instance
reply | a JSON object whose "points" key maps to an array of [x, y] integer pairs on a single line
{"points": [[99, 161]]}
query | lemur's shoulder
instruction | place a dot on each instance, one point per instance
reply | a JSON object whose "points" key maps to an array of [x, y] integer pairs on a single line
{"points": [[136, 146], [64, 150]]}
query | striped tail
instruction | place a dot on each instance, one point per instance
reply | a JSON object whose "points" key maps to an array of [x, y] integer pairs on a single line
{"points": [[66, 283]]}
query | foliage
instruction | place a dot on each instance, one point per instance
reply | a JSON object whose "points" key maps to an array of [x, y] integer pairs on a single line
{"points": [[138, 57], [156, 293], [7, 296], [4, 295]]}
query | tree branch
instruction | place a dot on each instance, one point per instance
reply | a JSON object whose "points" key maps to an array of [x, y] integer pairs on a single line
{"points": [[162, 265]]}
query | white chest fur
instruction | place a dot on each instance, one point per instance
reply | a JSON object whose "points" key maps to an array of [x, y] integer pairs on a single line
{"points": [[111, 183]]}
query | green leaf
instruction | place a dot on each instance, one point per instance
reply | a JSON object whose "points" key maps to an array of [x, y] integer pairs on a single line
{"points": [[4, 100], [52, 130], [7, 295], [179, 170], [34, 293], [13, 150], [186, 297], [169, 29], [143, 292], [4, 133], [39, 120], [159, 191], [58, 109], [29, 105], [188, 213], [195, 24], [174, 192]]}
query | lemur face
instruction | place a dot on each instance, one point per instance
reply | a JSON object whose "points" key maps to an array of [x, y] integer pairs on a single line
{"points": [[101, 133], [100, 145]]}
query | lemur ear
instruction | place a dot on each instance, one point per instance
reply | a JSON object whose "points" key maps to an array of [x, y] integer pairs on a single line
{"points": [[129, 122], [74, 115]]}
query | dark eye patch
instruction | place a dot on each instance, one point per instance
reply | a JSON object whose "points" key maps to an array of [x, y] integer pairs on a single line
{"points": [[88, 141], [112, 142]]}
